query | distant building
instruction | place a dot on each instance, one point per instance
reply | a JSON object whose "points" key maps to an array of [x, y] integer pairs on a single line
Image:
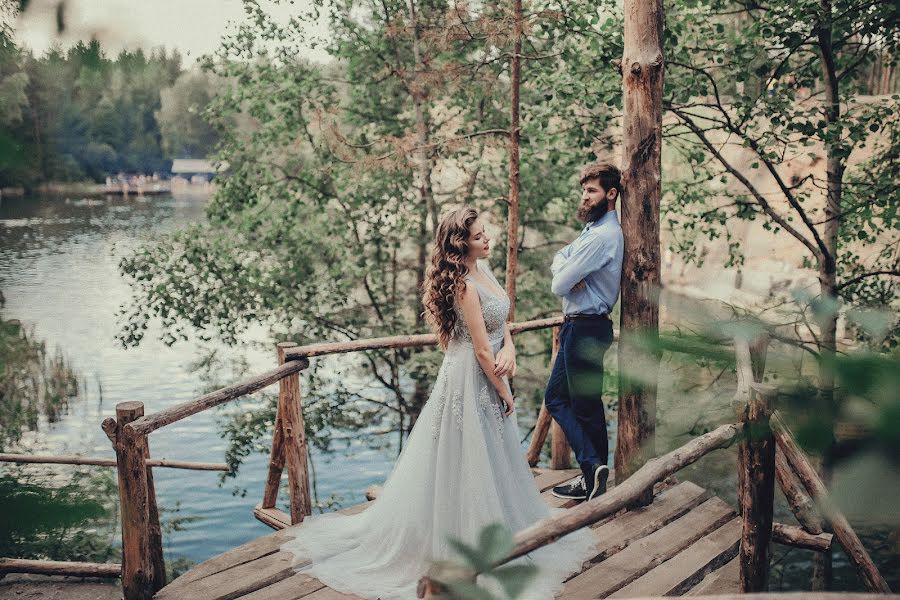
{"points": [[195, 168]]}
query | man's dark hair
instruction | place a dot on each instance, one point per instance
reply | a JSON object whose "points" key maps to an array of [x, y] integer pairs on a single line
{"points": [[606, 172]]}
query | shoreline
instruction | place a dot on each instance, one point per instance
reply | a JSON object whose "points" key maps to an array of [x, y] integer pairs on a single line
{"points": [[83, 188]]}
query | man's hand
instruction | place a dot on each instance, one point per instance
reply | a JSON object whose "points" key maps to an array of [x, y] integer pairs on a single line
{"points": [[505, 361], [579, 286]]}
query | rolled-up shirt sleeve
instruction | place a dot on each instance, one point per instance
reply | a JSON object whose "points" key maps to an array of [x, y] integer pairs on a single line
{"points": [[582, 260]]}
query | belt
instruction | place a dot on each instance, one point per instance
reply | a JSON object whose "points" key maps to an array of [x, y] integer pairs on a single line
{"points": [[586, 317]]}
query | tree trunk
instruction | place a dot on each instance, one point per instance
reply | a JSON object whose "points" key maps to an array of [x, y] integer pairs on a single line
{"points": [[512, 243], [428, 207], [642, 70], [828, 261]]}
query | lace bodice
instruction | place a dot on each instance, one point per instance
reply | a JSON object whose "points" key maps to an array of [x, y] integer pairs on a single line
{"points": [[494, 308]]}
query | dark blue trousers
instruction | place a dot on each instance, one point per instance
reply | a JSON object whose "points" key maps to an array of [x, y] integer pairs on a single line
{"points": [[574, 391]]}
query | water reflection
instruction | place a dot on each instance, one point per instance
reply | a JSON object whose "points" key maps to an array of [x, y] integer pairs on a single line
{"points": [[59, 274]]}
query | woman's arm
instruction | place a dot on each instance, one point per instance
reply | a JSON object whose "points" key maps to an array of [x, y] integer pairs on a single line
{"points": [[505, 361], [471, 310]]}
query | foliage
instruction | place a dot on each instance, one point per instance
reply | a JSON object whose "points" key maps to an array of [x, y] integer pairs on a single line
{"points": [[184, 132], [747, 82], [494, 543], [73, 521], [319, 229], [34, 383], [78, 114]]}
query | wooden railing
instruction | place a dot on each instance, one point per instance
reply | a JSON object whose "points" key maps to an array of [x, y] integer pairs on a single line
{"points": [[75, 568], [143, 569], [759, 431], [142, 561]]}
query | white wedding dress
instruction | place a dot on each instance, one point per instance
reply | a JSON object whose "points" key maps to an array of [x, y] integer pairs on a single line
{"points": [[461, 470]]}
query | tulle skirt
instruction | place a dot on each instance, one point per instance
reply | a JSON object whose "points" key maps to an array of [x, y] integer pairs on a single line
{"points": [[461, 470]]}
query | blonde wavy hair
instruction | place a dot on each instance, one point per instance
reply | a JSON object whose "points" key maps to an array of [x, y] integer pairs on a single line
{"points": [[445, 276]]}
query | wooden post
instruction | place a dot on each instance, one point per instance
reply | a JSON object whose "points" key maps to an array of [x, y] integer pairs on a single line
{"points": [[757, 493], [642, 79], [560, 445], [276, 462], [512, 244], [560, 452], [541, 429], [143, 570], [750, 359], [294, 440]]}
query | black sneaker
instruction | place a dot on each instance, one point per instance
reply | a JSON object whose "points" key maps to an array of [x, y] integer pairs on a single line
{"points": [[596, 481], [574, 490]]}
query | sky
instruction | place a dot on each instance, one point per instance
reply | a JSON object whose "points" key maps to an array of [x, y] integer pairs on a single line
{"points": [[194, 27]]}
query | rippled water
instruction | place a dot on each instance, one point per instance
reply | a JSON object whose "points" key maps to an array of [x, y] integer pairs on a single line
{"points": [[59, 274]]}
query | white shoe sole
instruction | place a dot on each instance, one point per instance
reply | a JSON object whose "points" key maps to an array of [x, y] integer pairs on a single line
{"points": [[563, 496], [597, 474]]}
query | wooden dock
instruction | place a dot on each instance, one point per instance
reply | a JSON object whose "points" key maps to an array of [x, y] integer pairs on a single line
{"points": [[684, 543]]}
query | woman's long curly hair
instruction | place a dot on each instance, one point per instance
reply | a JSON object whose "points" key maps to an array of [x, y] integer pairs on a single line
{"points": [[444, 279]]}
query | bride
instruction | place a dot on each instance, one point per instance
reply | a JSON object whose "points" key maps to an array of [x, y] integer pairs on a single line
{"points": [[462, 468]]}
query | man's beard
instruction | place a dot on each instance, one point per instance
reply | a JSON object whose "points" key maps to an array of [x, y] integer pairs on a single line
{"points": [[589, 215]]}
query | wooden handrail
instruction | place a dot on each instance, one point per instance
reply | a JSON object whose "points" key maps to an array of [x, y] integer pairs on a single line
{"points": [[843, 532], [296, 360], [48, 459], [150, 423], [401, 341], [55, 567], [624, 494]]}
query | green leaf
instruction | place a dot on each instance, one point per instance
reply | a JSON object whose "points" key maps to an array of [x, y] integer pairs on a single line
{"points": [[468, 590], [495, 542], [515, 578], [474, 557]]}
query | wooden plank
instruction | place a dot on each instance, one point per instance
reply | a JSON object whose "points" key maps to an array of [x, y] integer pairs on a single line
{"points": [[327, 593], [554, 502], [551, 477], [635, 524], [273, 517], [685, 569], [724, 580], [235, 582], [262, 546], [293, 588], [638, 558]]}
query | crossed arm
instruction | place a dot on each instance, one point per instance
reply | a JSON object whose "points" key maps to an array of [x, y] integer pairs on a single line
{"points": [[471, 309], [572, 264]]}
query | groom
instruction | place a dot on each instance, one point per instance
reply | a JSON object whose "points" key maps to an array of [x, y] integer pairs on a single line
{"points": [[586, 275]]}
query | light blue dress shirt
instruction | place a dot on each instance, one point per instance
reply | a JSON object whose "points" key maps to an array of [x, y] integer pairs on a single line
{"points": [[596, 258]]}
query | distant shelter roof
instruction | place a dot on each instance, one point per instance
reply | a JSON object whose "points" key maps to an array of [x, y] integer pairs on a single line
{"points": [[196, 165]]}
